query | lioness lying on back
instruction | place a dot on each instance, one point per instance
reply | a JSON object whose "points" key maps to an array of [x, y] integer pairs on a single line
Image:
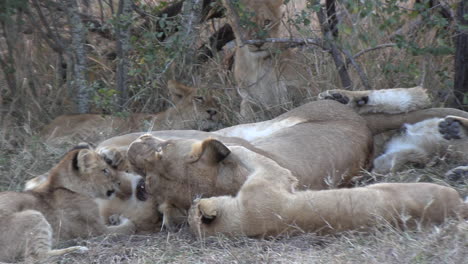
{"points": [[322, 143], [60, 208], [267, 204]]}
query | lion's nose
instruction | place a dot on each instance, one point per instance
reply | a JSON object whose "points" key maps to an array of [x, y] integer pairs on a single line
{"points": [[211, 112]]}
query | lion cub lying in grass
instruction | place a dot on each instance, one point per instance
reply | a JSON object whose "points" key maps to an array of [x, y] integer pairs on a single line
{"points": [[60, 208], [268, 205]]}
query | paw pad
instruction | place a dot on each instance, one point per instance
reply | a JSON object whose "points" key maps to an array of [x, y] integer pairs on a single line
{"points": [[450, 129], [337, 97], [114, 219], [458, 175]]}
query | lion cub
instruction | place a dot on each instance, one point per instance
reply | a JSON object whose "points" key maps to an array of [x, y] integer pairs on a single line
{"points": [[60, 208]]}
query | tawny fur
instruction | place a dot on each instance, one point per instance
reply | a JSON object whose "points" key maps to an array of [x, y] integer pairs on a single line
{"points": [[419, 143], [133, 203], [323, 143], [61, 208], [130, 201], [267, 204], [390, 101], [190, 111], [270, 77]]}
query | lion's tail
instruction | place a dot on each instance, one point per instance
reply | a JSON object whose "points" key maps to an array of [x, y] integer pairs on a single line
{"points": [[379, 123]]}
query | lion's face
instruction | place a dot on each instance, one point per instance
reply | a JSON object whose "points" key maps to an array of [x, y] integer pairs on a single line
{"points": [[258, 20], [192, 109], [84, 171], [181, 168]]}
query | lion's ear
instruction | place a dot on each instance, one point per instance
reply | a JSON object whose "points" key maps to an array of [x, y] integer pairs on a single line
{"points": [[179, 91], [84, 161], [210, 150]]}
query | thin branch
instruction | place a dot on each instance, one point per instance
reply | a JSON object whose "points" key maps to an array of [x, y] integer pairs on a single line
{"points": [[58, 44], [293, 41], [362, 52]]}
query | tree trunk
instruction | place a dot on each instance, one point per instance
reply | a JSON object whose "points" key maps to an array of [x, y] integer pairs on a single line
{"points": [[122, 33], [191, 17], [461, 57], [78, 32], [328, 24], [7, 61]]}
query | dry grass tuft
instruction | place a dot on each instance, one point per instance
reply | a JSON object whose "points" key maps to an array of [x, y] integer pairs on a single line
{"points": [[443, 244]]}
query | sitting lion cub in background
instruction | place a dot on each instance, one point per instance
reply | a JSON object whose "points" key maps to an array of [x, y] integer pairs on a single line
{"points": [[60, 208]]}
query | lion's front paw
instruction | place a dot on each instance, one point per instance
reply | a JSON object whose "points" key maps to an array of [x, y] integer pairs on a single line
{"points": [[458, 174], [203, 211], [451, 128], [207, 210]]}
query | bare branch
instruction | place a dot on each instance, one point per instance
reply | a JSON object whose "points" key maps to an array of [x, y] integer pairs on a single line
{"points": [[294, 41], [381, 46], [362, 75]]}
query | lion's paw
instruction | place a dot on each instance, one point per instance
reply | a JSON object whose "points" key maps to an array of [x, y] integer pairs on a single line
{"points": [[115, 219], [458, 174], [334, 95], [81, 250], [207, 210], [113, 157], [355, 99], [451, 128]]}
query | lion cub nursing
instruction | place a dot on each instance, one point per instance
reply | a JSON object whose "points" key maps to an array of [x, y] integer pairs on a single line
{"points": [[61, 208], [268, 204]]}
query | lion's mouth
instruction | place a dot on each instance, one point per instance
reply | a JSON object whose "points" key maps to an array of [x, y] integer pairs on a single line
{"points": [[141, 193]]}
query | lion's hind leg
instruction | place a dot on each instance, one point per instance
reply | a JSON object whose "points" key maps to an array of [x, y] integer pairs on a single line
{"points": [[390, 101], [28, 235], [453, 127]]}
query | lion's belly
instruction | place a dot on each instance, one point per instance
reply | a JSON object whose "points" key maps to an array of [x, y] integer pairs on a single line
{"points": [[321, 154]]}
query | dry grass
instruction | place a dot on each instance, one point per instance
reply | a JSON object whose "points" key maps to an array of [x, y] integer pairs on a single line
{"points": [[443, 244]]}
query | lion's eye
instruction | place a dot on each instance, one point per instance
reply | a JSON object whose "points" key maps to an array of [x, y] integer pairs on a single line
{"points": [[106, 171], [159, 149], [267, 22]]}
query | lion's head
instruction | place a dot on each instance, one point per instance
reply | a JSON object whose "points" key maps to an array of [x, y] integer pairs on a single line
{"points": [[180, 169], [257, 20], [84, 171], [133, 202], [192, 109]]}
